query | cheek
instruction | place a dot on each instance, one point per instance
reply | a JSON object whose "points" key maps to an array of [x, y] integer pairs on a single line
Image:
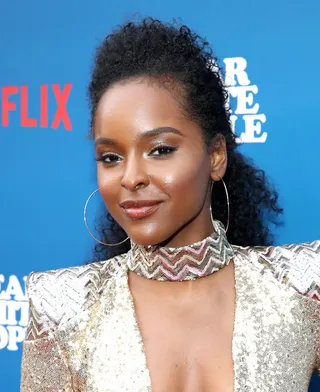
{"points": [[108, 185], [187, 179]]}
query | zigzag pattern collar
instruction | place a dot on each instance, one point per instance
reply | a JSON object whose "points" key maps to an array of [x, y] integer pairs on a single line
{"points": [[185, 263]]}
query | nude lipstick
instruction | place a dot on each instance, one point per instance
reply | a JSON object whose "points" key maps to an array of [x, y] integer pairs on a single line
{"points": [[139, 209]]}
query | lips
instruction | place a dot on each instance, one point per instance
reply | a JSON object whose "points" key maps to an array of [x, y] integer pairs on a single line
{"points": [[138, 209]]}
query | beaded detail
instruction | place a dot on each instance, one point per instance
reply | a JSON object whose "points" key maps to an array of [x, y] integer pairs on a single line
{"points": [[185, 263], [83, 334]]}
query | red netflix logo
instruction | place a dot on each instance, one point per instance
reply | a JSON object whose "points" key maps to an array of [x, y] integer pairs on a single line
{"points": [[61, 96]]}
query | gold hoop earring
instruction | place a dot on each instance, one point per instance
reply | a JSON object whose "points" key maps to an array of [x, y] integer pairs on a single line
{"points": [[86, 224], [228, 204]]}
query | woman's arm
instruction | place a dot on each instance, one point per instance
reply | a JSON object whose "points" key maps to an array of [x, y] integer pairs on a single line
{"points": [[317, 364], [44, 368]]}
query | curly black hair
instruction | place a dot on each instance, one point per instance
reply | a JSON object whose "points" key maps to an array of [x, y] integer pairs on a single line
{"points": [[161, 51]]}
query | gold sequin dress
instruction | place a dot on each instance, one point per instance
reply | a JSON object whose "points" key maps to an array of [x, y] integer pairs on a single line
{"points": [[83, 334]]}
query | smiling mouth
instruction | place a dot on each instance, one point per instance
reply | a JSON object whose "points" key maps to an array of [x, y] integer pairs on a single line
{"points": [[140, 211]]}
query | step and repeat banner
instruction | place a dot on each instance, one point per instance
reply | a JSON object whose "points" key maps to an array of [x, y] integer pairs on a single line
{"points": [[269, 51]]}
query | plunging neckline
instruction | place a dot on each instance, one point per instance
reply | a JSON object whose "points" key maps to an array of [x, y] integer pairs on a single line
{"points": [[234, 344]]}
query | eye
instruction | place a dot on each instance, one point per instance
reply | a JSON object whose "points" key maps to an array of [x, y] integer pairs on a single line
{"points": [[162, 151], [109, 159]]}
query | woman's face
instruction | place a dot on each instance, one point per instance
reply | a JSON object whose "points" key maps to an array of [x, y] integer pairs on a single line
{"points": [[154, 169]]}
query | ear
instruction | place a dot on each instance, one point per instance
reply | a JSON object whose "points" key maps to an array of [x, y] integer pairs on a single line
{"points": [[218, 156]]}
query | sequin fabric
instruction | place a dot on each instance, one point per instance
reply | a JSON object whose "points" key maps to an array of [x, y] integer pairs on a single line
{"points": [[185, 263], [83, 335]]}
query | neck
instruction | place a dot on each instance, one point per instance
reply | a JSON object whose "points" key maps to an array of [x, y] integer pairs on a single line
{"points": [[184, 263], [190, 233]]}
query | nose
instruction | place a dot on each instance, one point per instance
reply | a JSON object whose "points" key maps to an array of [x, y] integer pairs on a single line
{"points": [[134, 176]]}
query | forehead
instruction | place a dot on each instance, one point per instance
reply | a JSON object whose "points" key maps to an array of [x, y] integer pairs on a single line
{"points": [[139, 105]]}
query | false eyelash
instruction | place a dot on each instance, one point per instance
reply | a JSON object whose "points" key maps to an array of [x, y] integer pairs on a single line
{"points": [[102, 158], [170, 148]]}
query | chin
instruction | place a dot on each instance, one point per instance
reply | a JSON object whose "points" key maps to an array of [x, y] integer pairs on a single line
{"points": [[145, 236]]}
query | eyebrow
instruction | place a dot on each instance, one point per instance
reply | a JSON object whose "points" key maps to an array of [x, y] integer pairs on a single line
{"points": [[144, 135]]}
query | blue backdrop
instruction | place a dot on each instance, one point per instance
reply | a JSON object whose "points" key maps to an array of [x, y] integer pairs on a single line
{"points": [[270, 53]]}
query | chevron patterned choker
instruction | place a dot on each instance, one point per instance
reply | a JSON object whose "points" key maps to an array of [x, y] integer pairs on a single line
{"points": [[186, 263]]}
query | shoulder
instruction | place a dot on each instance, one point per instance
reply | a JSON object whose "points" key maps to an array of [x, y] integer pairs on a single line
{"points": [[57, 295], [295, 265]]}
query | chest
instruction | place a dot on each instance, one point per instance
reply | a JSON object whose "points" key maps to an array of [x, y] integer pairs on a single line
{"points": [[189, 348], [265, 342]]}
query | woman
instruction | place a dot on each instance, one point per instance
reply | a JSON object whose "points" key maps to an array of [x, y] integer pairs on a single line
{"points": [[179, 308]]}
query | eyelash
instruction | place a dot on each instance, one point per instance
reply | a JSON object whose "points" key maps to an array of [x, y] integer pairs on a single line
{"points": [[169, 149], [102, 158], [163, 147]]}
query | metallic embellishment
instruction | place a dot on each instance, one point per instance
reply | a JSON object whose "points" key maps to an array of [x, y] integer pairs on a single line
{"points": [[83, 334], [185, 263]]}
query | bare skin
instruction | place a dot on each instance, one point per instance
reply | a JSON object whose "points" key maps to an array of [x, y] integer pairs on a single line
{"points": [[186, 327], [187, 331]]}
